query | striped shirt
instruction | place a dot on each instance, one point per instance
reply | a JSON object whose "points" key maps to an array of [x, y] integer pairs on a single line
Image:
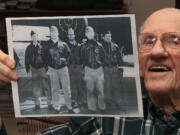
{"points": [[154, 122]]}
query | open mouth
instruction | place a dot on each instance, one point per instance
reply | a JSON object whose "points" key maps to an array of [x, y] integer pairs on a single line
{"points": [[159, 69]]}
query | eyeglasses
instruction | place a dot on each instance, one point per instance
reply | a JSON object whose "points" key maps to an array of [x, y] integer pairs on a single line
{"points": [[170, 40]]}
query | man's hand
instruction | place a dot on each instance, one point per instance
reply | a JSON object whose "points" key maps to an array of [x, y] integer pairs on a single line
{"points": [[6, 69]]}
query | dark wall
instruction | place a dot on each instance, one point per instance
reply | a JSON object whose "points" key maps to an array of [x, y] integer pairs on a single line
{"points": [[177, 4], [79, 4]]}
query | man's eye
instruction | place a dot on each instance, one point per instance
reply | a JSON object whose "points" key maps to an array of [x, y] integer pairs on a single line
{"points": [[173, 39], [149, 41]]}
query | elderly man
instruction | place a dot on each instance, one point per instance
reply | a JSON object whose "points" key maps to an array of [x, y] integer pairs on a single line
{"points": [[159, 53]]}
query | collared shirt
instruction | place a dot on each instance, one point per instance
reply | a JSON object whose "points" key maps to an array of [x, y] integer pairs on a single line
{"points": [[153, 123]]}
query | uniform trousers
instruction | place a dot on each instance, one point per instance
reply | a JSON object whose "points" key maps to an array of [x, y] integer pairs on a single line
{"points": [[41, 85], [77, 84], [113, 77], [60, 77], [95, 81]]}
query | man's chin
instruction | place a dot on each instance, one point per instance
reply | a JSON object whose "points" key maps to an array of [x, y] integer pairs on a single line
{"points": [[157, 88]]}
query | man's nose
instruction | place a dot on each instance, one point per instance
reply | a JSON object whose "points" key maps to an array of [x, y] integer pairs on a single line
{"points": [[158, 49]]}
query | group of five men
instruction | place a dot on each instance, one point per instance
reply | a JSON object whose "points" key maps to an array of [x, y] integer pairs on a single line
{"points": [[63, 63]]}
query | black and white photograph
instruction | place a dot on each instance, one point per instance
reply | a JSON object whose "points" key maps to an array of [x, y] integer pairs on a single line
{"points": [[75, 66]]}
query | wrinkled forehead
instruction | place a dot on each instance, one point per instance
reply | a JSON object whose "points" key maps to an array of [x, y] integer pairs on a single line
{"points": [[166, 20]]}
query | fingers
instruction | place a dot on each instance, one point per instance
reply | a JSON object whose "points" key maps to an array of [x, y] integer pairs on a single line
{"points": [[7, 74], [5, 59], [6, 69]]}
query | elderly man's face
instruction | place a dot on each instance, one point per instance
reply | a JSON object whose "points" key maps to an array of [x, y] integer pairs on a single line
{"points": [[160, 65]]}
